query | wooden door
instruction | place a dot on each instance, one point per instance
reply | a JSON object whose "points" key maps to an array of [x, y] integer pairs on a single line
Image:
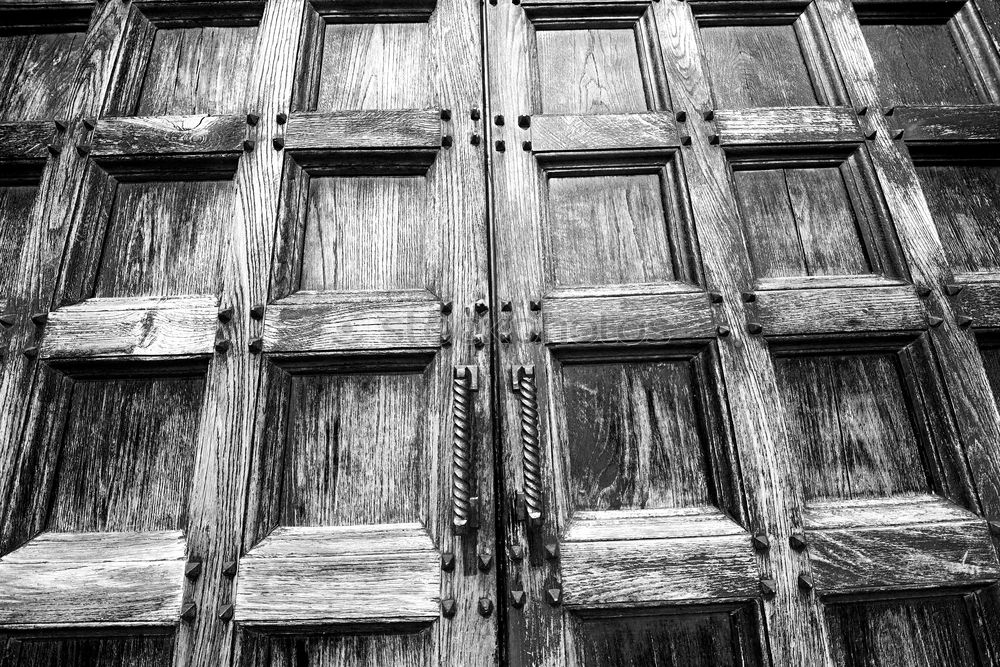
{"points": [[246, 403], [746, 288]]}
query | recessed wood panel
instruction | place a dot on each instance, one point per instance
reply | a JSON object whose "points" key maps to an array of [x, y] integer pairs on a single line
{"points": [[16, 202], [355, 452], [710, 639], [165, 238], [921, 63], [37, 74], [201, 70], [593, 71], [402, 649], [375, 66], [801, 222], [365, 233], [942, 631], [965, 203], [608, 229], [127, 456], [756, 66], [849, 422], [633, 435], [149, 651]]}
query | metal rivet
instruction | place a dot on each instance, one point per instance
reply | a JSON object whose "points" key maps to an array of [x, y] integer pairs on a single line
{"points": [[446, 341], [713, 139], [964, 321], [553, 596], [754, 327], [448, 607], [536, 337], [888, 111], [90, 123], [447, 141], [526, 145], [479, 342], [475, 140], [748, 297], [446, 307], [229, 568], [517, 552], [517, 599], [256, 346], [485, 607], [708, 115], [760, 542], [994, 527], [501, 146], [952, 289], [899, 134], [248, 145], [481, 307], [475, 115], [189, 611], [768, 588], [31, 352], [797, 540], [485, 561], [226, 315], [685, 140], [862, 110], [934, 320], [506, 305], [60, 125], [524, 122], [257, 311], [715, 297], [222, 345], [278, 143], [448, 561], [192, 570], [552, 550], [681, 116], [923, 291], [498, 120], [805, 582], [723, 331], [871, 135], [83, 150], [446, 114], [40, 319], [253, 119], [505, 338], [226, 612], [536, 304], [54, 151], [7, 320], [282, 118]]}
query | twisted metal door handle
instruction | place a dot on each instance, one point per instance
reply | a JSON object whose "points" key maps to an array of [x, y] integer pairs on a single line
{"points": [[524, 385], [464, 517]]}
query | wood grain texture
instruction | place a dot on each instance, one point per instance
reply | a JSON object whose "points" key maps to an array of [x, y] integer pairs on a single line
{"points": [[199, 70], [16, 202], [603, 574], [412, 129], [981, 302], [93, 580], [839, 310], [38, 74], [895, 510], [787, 126], [353, 541], [333, 322], [144, 651], [25, 140], [929, 555], [160, 327], [165, 135], [604, 132], [599, 526], [627, 319], [948, 123], [410, 646], [385, 585]]}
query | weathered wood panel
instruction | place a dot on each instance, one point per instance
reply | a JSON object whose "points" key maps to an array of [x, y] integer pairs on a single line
{"points": [[166, 135], [597, 526], [606, 132], [38, 74], [413, 648], [627, 319], [145, 651], [839, 311]]}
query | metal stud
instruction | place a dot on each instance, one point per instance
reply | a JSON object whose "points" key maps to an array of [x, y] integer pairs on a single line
{"points": [[90, 123], [517, 599], [446, 307], [481, 307], [448, 607], [222, 345], [445, 340], [871, 135], [681, 116], [256, 346], [526, 146], [501, 146], [952, 289], [715, 297], [257, 311], [83, 150], [60, 125], [768, 588], [248, 145], [278, 143], [806, 582], [964, 321], [226, 315], [7, 320], [506, 305], [524, 122], [797, 540], [536, 337], [553, 596], [505, 338], [536, 304], [517, 552], [447, 141], [40, 319], [226, 612], [862, 110], [475, 140], [189, 611], [445, 114], [229, 568], [253, 119], [54, 151], [723, 331], [748, 297], [713, 139], [475, 114], [479, 342], [898, 134], [708, 115], [934, 320], [498, 120], [552, 550], [282, 118], [754, 327], [994, 527], [448, 561], [761, 542], [485, 607], [192, 570], [31, 352], [923, 291], [888, 111], [685, 140]]}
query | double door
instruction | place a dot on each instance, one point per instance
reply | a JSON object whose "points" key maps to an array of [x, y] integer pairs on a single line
{"points": [[531, 333]]}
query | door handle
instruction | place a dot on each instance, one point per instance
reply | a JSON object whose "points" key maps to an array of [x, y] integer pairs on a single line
{"points": [[465, 507], [531, 457]]}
